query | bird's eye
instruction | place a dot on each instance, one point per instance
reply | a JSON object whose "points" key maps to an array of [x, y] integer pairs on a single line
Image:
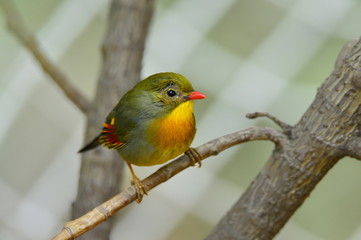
{"points": [[171, 93]]}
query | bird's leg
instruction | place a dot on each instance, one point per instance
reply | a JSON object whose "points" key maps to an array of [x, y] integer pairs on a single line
{"points": [[138, 185], [195, 156]]}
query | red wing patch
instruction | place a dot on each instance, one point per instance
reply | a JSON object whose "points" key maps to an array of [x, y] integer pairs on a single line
{"points": [[109, 136]]}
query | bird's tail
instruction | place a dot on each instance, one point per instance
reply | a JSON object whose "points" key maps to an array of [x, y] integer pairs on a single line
{"points": [[93, 144]]}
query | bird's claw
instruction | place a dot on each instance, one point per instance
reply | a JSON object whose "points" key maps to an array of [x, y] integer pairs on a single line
{"points": [[139, 188], [194, 156]]}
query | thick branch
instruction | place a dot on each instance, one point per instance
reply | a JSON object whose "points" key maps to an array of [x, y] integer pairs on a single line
{"points": [[327, 132], [17, 26], [353, 148], [123, 45], [101, 213]]}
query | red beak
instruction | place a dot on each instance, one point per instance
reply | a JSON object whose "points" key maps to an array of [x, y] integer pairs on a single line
{"points": [[196, 95]]}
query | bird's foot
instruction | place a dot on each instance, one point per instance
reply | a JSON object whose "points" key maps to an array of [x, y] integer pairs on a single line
{"points": [[194, 156], [139, 188]]}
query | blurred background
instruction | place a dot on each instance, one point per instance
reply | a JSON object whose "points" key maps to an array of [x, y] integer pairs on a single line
{"points": [[246, 55]]}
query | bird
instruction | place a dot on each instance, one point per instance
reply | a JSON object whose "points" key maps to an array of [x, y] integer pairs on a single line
{"points": [[151, 124]]}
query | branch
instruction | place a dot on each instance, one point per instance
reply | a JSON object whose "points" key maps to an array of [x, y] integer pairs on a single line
{"points": [[16, 25], [122, 51], [326, 132], [346, 49], [287, 129], [75, 228], [353, 148]]}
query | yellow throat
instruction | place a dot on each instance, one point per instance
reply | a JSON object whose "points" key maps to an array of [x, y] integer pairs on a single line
{"points": [[174, 133]]}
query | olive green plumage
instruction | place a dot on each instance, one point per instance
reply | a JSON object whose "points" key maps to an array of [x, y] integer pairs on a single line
{"points": [[137, 126]]}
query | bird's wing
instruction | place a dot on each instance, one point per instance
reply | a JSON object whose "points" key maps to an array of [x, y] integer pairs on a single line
{"points": [[109, 137]]}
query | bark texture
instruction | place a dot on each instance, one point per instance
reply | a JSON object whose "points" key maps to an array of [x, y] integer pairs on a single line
{"points": [[123, 45], [314, 145]]}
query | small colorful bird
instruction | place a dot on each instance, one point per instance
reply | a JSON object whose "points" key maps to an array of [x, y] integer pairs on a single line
{"points": [[152, 123]]}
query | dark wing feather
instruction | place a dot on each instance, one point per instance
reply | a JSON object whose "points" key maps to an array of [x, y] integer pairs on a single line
{"points": [[108, 137]]}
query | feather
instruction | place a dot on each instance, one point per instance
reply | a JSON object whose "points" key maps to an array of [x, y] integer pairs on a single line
{"points": [[109, 137]]}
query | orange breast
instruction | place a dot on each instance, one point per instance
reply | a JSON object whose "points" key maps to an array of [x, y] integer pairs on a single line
{"points": [[173, 134]]}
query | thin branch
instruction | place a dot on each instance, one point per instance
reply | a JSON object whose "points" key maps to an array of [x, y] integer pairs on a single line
{"points": [[287, 129], [16, 25], [75, 228]]}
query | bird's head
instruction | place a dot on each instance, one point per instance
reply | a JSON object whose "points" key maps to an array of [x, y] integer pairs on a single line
{"points": [[168, 90]]}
